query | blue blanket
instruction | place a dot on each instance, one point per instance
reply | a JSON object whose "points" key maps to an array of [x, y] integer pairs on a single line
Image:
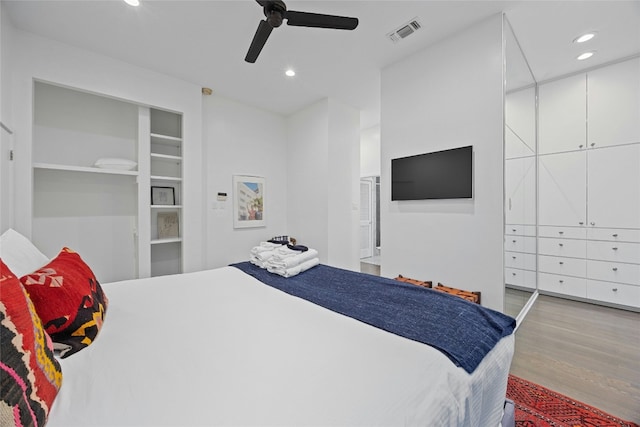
{"points": [[465, 332]]}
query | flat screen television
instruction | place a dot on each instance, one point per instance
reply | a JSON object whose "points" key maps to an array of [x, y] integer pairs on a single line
{"points": [[446, 174]]}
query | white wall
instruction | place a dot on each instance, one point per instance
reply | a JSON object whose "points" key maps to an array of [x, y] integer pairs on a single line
{"points": [[47, 60], [370, 151], [456, 94], [6, 139], [322, 170], [243, 140]]}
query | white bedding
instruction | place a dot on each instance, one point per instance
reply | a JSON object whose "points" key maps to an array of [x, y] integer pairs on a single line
{"points": [[219, 347]]}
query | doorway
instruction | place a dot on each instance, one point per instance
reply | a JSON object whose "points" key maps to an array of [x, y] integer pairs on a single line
{"points": [[370, 220]]}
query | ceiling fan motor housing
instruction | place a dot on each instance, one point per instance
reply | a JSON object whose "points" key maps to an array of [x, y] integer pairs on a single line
{"points": [[274, 11]]}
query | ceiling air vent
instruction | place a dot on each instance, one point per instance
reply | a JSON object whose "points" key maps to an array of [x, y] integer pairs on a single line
{"points": [[404, 30]]}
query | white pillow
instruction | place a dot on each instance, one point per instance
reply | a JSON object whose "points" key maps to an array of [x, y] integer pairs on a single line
{"points": [[115, 163], [19, 254]]}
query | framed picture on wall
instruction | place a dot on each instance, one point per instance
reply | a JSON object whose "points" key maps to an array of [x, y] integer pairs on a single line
{"points": [[163, 196], [248, 201]]}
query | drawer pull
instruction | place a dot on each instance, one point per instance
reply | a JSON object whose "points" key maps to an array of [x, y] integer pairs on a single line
{"points": [[581, 223], [615, 235], [615, 248], [580, 145], [593, 144], [561, 262], [513, 257], [561, 281], [513, 274], [561, 232], [615, 268], [593, 223], [560, 244], [615, 289]]}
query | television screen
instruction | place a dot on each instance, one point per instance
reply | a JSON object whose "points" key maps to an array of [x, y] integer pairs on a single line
{"points": [[444, 174]]}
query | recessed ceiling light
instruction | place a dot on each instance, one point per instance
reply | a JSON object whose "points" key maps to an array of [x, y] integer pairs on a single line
{"points": [[290, 73], [132, 2], [585, 55], [585, 37]]}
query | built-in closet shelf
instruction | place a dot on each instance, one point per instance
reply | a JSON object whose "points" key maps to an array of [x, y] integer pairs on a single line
{"points": [[157, 138], [89, 169], [166, 206], [166, 157], [166, 178], [161, 241]]}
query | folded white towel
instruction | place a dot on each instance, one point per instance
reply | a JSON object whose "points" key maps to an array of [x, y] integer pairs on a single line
{"points": [[290, 272], [264, 246], [264, 255], [294, 260], [255, 261], [284, 252]]}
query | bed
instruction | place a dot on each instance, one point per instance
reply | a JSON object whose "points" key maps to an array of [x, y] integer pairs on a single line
{"points": [[220, 347]]}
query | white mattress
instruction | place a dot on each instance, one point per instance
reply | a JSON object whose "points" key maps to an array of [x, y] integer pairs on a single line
{"points": [[219, 347]]}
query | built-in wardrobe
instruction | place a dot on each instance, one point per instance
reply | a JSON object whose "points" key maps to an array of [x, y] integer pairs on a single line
{"points": [[107, 182], [572, 186]]}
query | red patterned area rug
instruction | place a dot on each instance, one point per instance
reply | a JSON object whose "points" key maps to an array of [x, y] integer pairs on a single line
{"points": [[537, 406]]}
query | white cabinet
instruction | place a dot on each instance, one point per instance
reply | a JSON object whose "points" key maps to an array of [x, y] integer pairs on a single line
{"points": [[562, 189], [520, 187], [614, 186], [614, 104], [520, 124], [589, 185], [562, 115]]}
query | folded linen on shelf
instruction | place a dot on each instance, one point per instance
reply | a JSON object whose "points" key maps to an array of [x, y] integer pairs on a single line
{"points": [[292, 261], [293, 271]]}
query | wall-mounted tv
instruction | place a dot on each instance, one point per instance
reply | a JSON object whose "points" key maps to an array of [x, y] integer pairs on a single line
{"points": [[444, 174]]}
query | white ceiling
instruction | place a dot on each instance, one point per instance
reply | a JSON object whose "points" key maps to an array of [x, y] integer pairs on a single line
{"points": [[205, 41]]}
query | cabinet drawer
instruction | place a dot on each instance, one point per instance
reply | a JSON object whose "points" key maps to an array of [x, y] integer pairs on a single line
{"points": [[614, 272], [566, 285], [520, 244], [616, 293], [564, 266], [563, 232], [613, 251], [520, 260], [614, 234], [524, 278], [520, 230], [563, 247]]}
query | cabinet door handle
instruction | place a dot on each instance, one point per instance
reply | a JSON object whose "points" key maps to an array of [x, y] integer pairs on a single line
{"points": [[593, 223], [581, 223], [513, 229], [513, 274], [513, 241], [593, 144], [615, 269], [561, 232], [615, 248], [560, 244], [615, 235], [513, 257], [561, 281], [615, 289], [581, 145], [561, 263]]}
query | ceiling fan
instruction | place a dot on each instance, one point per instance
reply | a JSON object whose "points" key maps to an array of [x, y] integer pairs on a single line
{"points": [[276, 11]]}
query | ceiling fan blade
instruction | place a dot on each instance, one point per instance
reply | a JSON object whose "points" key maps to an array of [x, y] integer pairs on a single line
{"points": [[307, 19], [259, 39], [262, 2]]}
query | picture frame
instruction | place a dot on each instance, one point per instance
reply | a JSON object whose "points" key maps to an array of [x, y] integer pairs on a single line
{"points": [[163, 196], [168, 225], [249, 201]]}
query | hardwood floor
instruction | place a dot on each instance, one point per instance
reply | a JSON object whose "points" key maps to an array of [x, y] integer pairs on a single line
{"points": [[588, 352]]}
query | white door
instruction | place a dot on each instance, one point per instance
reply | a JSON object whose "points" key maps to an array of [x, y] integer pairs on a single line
{"points": [[366, 219], [614, 187], [562, 189]]}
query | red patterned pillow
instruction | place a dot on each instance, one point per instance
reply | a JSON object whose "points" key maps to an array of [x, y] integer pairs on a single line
{"points": [[30, 375], [69, 300]]}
